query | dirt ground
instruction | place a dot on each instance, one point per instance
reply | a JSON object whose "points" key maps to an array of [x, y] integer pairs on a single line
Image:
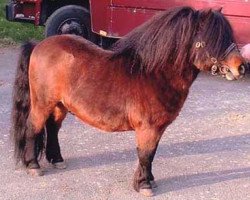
{"points": [[204, 154]]}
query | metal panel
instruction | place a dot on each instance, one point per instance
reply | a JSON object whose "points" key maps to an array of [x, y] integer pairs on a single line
{"points": [[121, 16], [100, 16], [241, 27], [230, 7], [123, 20]]}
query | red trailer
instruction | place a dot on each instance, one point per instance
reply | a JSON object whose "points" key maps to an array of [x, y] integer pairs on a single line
{"points": [[97, 20]]}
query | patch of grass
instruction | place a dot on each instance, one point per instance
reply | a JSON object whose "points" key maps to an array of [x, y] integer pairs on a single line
{"points": [[16, 32]]}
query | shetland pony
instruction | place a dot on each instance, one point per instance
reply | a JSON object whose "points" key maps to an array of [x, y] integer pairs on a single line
{"points": [[139, 84]]}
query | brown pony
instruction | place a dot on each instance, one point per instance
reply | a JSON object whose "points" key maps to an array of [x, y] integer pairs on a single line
{"points": [[140, 84]]}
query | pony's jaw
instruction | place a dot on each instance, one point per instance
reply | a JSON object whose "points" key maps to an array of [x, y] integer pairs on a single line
{"points": [[202, 66]]}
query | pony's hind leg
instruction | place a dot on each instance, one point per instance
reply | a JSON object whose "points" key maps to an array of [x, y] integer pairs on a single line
{"points": [[53, 124], [33, 147], [147, 142], [34, 141]]}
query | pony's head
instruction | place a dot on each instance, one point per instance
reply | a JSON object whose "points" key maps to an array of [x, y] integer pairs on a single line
{"points": [[179, 38], [214, 47]]}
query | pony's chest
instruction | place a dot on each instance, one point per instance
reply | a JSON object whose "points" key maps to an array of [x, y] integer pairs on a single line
{"points": [[173, 96], [174, 101]]}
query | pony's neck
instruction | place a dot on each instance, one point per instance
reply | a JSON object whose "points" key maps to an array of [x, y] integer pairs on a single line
{"points": [[181, 82], [171, 89]]}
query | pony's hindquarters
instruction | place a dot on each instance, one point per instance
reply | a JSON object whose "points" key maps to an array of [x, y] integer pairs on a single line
{"points": [[21, 104]]}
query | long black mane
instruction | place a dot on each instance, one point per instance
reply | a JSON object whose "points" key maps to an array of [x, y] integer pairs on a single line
{"points": [[167, 40]]}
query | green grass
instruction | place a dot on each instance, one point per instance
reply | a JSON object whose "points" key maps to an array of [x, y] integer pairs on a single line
{"points": [[12, 33]]}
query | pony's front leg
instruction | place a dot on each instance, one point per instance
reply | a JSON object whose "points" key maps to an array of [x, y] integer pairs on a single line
{"points": [[53, 124], [147, 142]]}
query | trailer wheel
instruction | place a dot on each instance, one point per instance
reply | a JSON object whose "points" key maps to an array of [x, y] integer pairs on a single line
{"points": [[70, 19]]}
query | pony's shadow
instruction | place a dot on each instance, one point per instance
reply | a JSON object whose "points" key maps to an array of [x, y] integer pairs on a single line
{"points": [[193, 180], [233, 143], [226, 144]]}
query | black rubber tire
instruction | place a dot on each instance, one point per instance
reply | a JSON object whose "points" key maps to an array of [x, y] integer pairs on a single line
{"points": [[75, 13]]}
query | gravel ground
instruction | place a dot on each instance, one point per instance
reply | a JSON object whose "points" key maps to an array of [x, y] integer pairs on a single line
{"points": [[204, 154]]}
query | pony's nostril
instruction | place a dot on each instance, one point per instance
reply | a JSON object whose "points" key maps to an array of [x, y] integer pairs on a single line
{"points": [[242, 69]]}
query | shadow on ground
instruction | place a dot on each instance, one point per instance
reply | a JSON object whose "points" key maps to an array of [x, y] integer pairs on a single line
{"points": [[194, 180], [232, 143], [168, 184]]}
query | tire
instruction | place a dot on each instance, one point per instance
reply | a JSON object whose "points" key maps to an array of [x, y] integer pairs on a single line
{"points": [[70, 19]]}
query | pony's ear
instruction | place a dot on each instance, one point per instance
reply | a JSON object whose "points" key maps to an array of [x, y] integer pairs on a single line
{"points": [[207, 12], [220, 9]]}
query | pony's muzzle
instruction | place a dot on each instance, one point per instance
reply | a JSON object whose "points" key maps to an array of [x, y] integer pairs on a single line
{"points": [[233, 73]]}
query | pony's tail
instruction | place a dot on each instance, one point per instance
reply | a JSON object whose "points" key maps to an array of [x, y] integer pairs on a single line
{"points": [[21, 102]]}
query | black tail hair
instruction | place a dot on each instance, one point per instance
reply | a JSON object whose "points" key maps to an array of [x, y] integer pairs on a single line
{"points": [[21, 105]]}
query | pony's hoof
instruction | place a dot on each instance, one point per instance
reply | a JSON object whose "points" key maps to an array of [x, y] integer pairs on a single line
{"points": [[153, 184], [35, 172], [146, 192], [59, 165]]}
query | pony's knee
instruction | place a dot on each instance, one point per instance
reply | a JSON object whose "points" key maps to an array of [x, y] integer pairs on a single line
{"points": [[146, 156]]}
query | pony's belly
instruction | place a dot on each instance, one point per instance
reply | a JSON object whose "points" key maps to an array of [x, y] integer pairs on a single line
{"points": [[110, 125]]}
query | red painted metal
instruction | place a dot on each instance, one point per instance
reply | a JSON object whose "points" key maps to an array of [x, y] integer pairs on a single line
{"points": [[28, 10], [38, 4], [115, 18], [100, 15]]}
